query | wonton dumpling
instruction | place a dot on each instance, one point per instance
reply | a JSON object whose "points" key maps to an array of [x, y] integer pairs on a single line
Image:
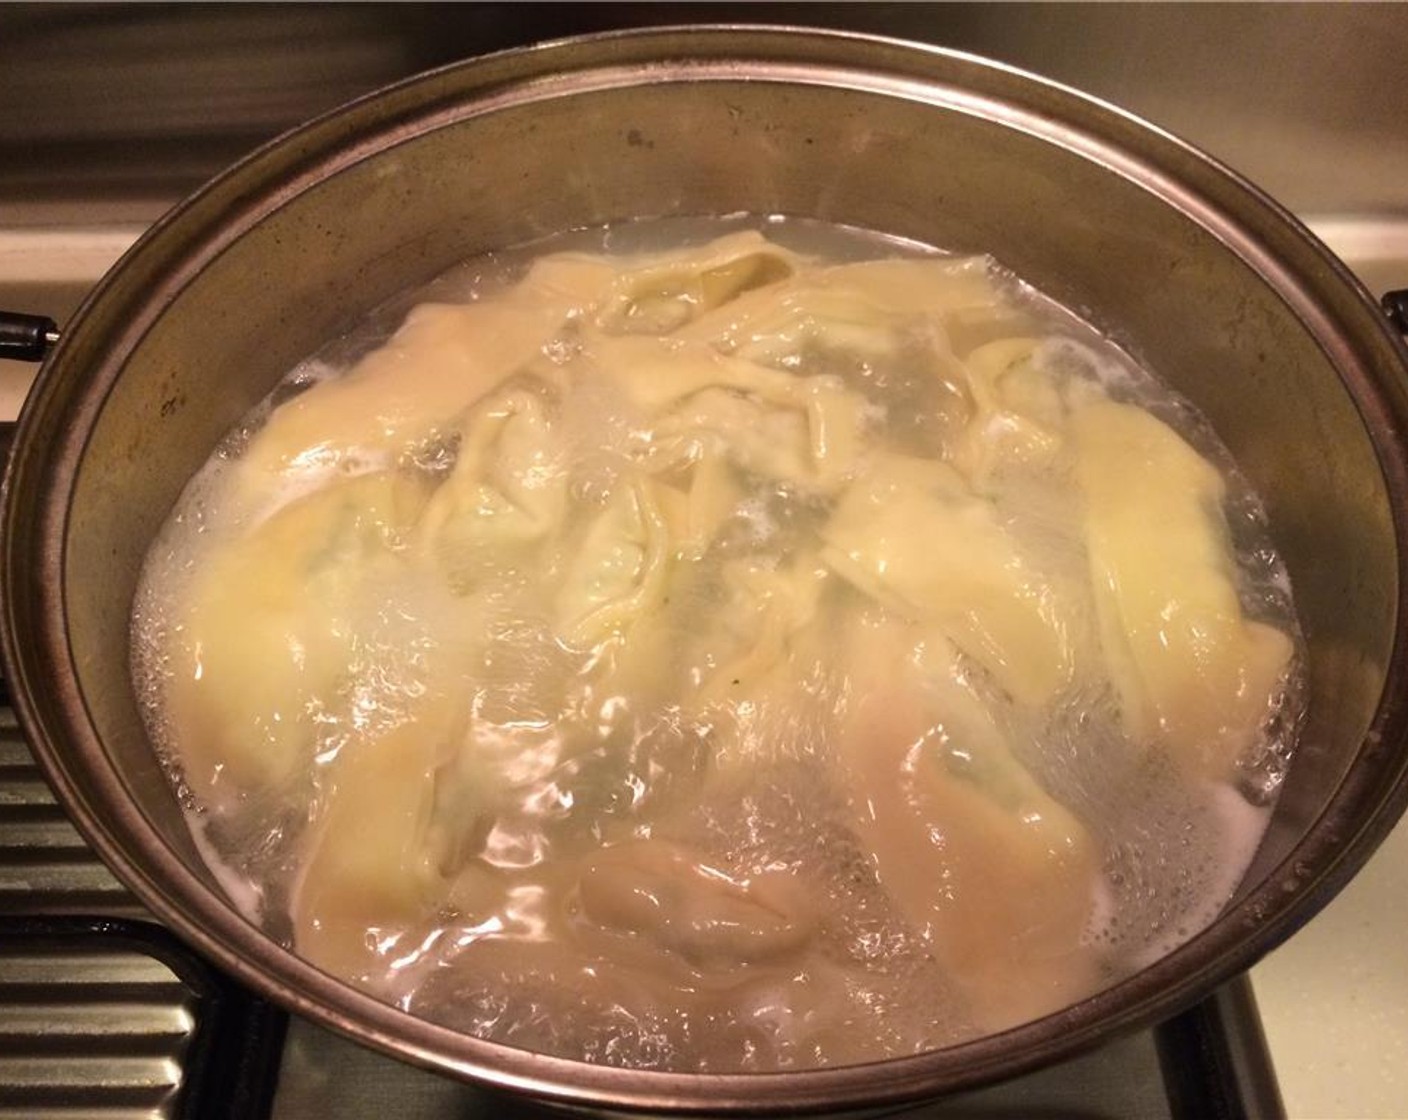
{"points": [[657, 372], [673, 899], [977, 748], [909, 533], [859, 307], [835, 423], [618, 569], [814, 446], [669, 289], [271, 630], [993, 872], [693, 514], [761, 439], [1019, 418], [370, 875], [507, 491], [442, 360], [766, 605], [918, 285], [660, 372], [775, 324], [1190, 668]]}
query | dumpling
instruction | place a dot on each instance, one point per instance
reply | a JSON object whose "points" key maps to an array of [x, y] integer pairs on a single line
{"points": [[655, 372], [443, 359], [1191, 669], [506, 492], [992, 871], [861, 307], [369, 874], [767, 603], [671, 897], [618, 568], [694, 511], [663, 292], [271, 628], [760, 438], [1019, 417], [813, 441], [910, 534]]}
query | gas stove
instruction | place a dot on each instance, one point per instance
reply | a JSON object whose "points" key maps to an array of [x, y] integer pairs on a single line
{"points": [[104, 1013]]}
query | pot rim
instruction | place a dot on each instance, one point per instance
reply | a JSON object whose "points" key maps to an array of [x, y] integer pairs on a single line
{"points": [[112, 320]]}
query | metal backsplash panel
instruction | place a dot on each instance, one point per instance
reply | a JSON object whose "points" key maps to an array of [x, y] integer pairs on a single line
{"points": [[120, 110]]}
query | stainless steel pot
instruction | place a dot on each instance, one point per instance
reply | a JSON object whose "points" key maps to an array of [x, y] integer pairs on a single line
{"points": [[1201, 277]]}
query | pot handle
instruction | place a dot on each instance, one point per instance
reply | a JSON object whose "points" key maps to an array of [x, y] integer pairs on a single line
{"points": [[29, 338], [26, 338], [7, 438], [1395, 305]]}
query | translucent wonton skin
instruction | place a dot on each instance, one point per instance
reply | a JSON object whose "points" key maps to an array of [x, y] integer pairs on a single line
{"points": [[857, 307], [1019, 417], [1192, 671], [694, 512], [270, 628], [803, 430], [911, 534], [369, 876], [994, 873], [507, 492], [757, 626], [618, 571], [442, 360], [670, 289], [672, 896], [656, 534], [739, 1014]]}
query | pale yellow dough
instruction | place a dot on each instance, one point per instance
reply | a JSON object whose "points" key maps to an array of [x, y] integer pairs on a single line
{"points": [[1191, 669], [414, 649]]}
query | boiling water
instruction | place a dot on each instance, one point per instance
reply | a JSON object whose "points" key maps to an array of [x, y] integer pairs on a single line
{"points": [[748, 819]]}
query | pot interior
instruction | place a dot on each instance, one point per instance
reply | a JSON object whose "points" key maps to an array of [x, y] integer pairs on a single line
{"points": [[1198, 278]]}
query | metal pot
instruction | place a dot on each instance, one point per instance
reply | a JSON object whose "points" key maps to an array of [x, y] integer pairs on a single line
{"points": [[1201, 277]]}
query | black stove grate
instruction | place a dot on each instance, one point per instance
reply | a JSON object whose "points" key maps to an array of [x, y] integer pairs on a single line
{"points": [[111, 1017]]}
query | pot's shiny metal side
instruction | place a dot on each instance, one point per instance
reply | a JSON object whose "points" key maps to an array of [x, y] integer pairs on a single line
{"points": [[1196, 273]]}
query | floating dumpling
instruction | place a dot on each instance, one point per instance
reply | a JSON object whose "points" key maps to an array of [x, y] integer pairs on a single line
{"points": [[506, 492], [269, 630], [444, 359], [913, 536], [1190, 667], [985, 861], [723, 658]]}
